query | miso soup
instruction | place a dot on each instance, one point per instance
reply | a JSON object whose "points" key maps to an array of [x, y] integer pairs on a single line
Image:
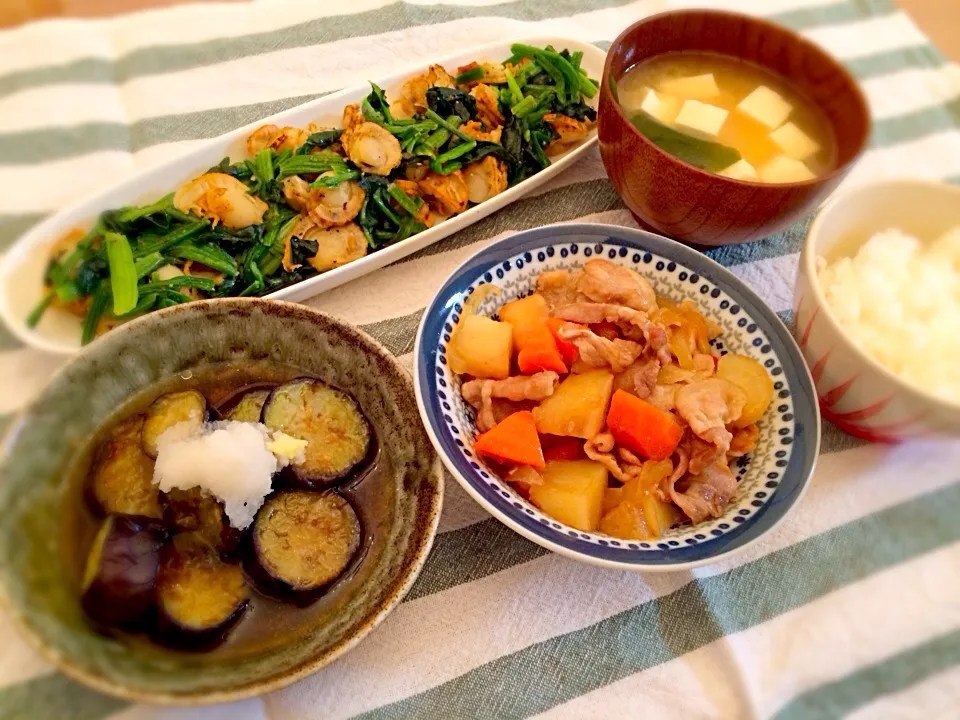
{"points": [[728, 116]]}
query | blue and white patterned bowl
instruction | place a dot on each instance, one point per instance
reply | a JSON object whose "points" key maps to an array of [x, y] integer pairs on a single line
{"points": [[771, 479]]}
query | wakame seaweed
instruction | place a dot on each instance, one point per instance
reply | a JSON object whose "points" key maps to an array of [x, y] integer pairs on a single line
{"points": [[302, 250], [450, 101]]}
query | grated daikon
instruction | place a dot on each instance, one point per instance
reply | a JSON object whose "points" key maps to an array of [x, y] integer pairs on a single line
{"points": [[230, 460]]}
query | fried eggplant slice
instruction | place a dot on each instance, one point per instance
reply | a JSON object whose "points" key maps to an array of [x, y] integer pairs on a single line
{"points": [[199, 512], [337, 433], [301, 543], [122, 478], [120, 577], [248, 407], [172, 409], [199, 596]]}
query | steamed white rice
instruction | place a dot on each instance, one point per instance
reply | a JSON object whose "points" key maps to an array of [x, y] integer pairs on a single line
{"points": [[899, 300]]}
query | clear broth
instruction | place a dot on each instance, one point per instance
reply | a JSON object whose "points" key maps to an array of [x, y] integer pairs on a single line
{"points": [[267, 623], [736, 79]]}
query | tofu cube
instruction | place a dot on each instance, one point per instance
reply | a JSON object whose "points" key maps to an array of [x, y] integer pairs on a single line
{"points": [[631, 98], [766, 106], [794, 141], [664, 108], [740, 170], [700, 119], [698, 87], [783, 169]]}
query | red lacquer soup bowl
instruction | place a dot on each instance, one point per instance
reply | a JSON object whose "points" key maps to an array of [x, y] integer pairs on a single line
{"points": [[699, 207]]}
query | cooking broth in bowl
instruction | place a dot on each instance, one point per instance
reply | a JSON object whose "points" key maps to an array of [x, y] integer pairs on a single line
{"points": [[728, 116]]}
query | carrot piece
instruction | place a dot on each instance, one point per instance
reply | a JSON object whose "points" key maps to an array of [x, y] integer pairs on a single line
{"points": [[568, 350], [536, 348], [641, 427], [542, 356], [514, 440], [562, 447]]}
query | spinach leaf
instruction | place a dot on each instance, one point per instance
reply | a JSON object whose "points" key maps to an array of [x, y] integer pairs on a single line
{"points": [[220, 234], [377, 219], [284, 279], [322, 139], [240, 170], [375, 107], [482, 149]]}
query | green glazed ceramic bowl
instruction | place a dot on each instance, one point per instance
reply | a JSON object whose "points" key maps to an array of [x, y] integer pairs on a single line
{"points": [[35, 585]]}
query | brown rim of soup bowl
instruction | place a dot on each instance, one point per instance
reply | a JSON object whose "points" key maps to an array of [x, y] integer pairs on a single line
{"points": [[698, 207]]}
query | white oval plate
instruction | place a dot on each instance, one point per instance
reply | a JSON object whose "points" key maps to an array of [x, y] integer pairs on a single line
{"points": [[21, 272]]}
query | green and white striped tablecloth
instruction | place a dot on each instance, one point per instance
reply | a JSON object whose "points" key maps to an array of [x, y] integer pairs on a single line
{"points": [[851, 608]]}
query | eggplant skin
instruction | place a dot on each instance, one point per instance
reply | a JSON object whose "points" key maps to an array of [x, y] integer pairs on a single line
{"points": [[194, 511], [339, 437], [121, 481], [248, 406], [120, 578], [188, 406], [200, 598], [301, 543]]}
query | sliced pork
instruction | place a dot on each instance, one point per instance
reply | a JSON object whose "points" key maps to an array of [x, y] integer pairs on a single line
{"points": [[604, 282], [599, 352], [481, 392], [640, 378], [707, 494], [708, 406]]}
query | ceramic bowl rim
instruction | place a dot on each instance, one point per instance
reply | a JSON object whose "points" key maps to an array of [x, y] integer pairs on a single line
{"points": [[808, 261], [809, 46], [666, 248], [275, 682]]}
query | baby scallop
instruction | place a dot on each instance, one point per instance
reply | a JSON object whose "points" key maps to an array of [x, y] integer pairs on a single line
{"points": [[336, 246], [372, 148], [446, 194], [325, 206], [275, 138], [222, 199], [485, 178], [569, 132]]}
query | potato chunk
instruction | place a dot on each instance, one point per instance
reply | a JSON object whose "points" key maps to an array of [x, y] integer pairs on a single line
{"points": [[660, 515], [572, 492], [578, 407], [751, 376], [481, 347], [626, 521], [611, 498], [525, 313]]}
